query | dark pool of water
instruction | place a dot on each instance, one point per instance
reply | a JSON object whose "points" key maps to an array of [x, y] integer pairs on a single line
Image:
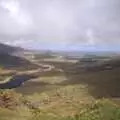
{"points": [[16, 81]]}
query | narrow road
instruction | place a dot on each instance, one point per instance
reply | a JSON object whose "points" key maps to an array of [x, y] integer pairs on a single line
{"points": [[20, 77]]}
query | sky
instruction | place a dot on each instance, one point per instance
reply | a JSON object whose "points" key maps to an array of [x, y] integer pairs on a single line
{"points": [[61, 24]]}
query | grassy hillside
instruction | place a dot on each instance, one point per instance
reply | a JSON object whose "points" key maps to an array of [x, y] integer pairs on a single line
{"points": [[64, 93], [16, 107], [9, 61]]}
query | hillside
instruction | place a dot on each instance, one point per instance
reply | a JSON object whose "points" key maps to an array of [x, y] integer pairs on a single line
{"points": [[9, 58], [9, 61], [64, 92], [6, 49]]}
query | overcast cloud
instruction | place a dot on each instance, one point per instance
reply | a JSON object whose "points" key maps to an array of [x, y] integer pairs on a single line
{"points": [[60, 23]]}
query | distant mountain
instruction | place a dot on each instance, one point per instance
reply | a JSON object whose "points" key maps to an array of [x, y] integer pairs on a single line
{"points": [[6, 49], [9, 58]]}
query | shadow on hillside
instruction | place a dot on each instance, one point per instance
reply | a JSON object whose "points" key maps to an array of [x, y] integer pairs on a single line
{"points": [[13, 62], [32, 87], [100, 83]]}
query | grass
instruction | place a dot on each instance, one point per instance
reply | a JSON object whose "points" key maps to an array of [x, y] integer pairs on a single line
{"points": [[62, 100], [21, 114], [50, 79], [99, 110], [64, 96], [67, 94], [103, 109]]}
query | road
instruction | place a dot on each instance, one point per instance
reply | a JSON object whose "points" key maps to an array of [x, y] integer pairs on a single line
{"points": [[20, 77]]}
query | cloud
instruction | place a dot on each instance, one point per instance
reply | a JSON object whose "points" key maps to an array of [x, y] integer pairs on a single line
{"points": [[15, 11], [60, 22], [90, 37], [14, 19]]}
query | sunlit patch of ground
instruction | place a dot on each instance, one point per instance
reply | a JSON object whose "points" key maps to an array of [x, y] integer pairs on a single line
{"points": [[50, 80], [63, 100]]}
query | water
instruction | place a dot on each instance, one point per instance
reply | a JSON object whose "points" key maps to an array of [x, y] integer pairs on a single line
{"points": [[16, 81]]}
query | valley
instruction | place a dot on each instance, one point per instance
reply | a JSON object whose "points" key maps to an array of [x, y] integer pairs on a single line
{"points": [[62, 86]]}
